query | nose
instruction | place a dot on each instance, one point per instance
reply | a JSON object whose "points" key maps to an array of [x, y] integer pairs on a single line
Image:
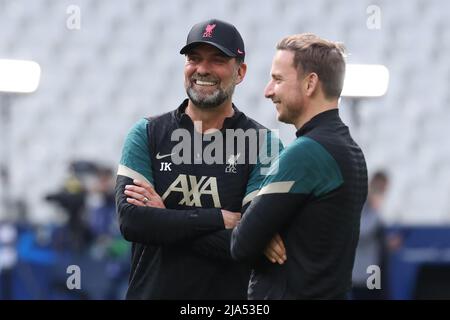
{"points": [[268, 91], [203, 68]]}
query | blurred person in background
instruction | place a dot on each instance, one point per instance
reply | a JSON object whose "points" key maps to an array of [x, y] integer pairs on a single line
{"points": [[91, 237], [108, 244], [72, 198], [179, 216], [102, 205], [370, 245]]}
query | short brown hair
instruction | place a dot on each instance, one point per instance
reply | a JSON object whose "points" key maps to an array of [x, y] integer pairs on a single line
{"points": [[325, 58]]}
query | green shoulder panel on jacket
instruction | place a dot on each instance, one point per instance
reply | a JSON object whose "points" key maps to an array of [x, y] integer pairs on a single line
{"points": [[135, 162], [268, 154], [305, 166]]}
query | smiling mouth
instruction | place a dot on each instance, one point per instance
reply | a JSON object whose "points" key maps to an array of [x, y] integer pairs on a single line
{"points": [[204, 83], [277, 105]]}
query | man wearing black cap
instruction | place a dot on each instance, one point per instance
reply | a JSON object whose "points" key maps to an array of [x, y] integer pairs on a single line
{"points": [[179, 215]]}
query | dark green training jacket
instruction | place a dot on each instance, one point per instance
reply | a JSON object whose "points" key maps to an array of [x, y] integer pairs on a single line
{"points": [[313, 199]]}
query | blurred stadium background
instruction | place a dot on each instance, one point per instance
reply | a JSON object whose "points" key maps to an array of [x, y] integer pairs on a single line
{"points": [[122, 63]]}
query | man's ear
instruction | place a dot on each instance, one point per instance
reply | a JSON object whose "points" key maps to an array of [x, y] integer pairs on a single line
{"points": [[242, 70], [311, 84]]}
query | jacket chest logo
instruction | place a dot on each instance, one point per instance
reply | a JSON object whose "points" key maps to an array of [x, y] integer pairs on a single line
{"points": [[232, 162], [193, 190]]}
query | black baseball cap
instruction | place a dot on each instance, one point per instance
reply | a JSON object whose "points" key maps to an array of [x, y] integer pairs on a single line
{"points": [[220, 34]]}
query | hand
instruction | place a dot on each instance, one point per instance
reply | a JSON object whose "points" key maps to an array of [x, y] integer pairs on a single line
{"points": [[275, 250], [230, 219], [142, 194]]}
